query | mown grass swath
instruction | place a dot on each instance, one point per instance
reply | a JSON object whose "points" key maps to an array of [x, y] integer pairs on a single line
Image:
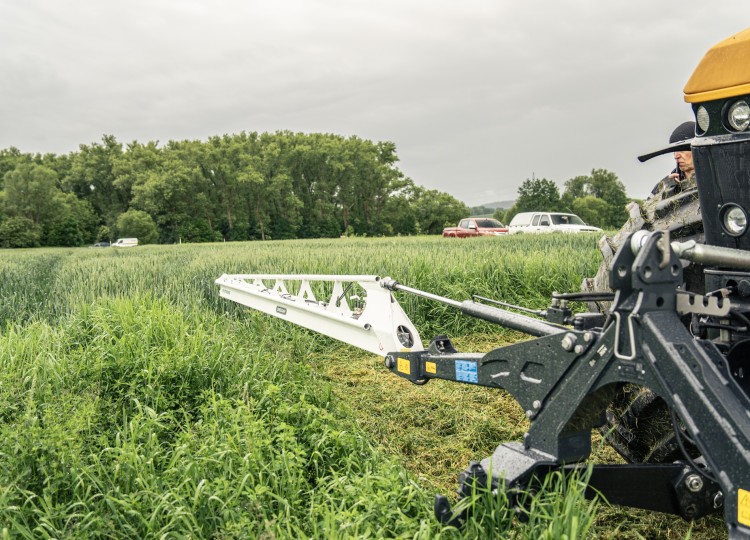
{"points": [[134, 402]]}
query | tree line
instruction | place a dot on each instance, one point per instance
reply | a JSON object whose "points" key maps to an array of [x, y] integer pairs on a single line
{"points": [[233, 187], [599, 199], [246, 186]]}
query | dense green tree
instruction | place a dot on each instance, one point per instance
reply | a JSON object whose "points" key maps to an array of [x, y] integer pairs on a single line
{"points": [[232, 187], [92, 178], [538, 194], [84, 214], [136, 224], [376, 178], [399, 214], [266, 179], [324, 178], [104, 234], [592, 210], [65, 231], [19, 232], [603, 185], [435, 210], [10, 158], [168, 187], [535, 195], [31, 191]]}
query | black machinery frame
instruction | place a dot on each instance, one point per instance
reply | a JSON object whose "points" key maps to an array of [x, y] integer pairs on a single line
{"points": [[560, 377]]}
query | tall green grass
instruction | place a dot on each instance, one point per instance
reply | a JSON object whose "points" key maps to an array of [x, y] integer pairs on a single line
{"points": [[47, 284], [135, 403]]}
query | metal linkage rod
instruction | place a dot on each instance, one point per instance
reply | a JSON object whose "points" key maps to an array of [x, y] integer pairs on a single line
{"points": [[714, 255], [503, 317]]}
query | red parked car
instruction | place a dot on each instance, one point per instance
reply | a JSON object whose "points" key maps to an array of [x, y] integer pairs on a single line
{"points": [[476, 227]]}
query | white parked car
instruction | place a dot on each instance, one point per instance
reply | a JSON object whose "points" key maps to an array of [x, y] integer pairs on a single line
{"points": [[541, 222], [126, 242]]}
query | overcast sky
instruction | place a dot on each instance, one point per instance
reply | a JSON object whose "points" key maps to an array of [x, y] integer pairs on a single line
{"points": [[477, 95]]}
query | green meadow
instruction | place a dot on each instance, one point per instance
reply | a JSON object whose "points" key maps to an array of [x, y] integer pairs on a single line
{"points": [[136, 403]]}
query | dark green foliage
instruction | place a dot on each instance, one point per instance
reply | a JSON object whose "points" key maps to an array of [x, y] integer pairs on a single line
{"points": [[252, 186], [598, 199], [246, 186], [193, 231], [538, 194], [136, 224], [535, 195], [103, 234], [590, 209], [434, 211], [19, 232], [65, 232], [600, 195], [30, 191]]}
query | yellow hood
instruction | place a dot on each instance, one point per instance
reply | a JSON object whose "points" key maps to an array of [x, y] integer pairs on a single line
{"points": [[723, 72]]}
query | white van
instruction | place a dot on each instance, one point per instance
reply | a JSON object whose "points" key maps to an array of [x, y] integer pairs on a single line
{"points": [[541, 222], [126, 242]]}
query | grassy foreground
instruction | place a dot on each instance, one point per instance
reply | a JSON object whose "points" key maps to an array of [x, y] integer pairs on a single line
{"points": [[134, 402]]}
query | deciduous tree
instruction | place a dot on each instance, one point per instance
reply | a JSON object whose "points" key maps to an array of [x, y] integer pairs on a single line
{"points": [[137, 224], [603, 185]]}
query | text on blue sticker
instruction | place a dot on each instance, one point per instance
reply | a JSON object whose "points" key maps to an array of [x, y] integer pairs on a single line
{"points": [[466, 371]]}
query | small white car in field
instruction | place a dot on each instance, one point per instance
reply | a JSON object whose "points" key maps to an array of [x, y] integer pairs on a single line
{"points": [[543, 222], [126, 242]]}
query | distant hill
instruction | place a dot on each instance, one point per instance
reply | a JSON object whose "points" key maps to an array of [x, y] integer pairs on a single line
{"points": [[489, 208], [500, 204]]}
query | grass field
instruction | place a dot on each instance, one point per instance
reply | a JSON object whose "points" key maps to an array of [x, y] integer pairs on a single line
{"points": [[135, 403]]}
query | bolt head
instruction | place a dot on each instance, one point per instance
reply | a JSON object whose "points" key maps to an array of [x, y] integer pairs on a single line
{"points": [[568, 341], [694, 483]]}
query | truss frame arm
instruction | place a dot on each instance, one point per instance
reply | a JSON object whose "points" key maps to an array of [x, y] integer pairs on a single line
{"points": [[380, 326]]}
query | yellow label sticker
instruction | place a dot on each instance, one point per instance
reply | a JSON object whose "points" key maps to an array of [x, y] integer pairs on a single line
{"points": [[404, 366], [743, 507], [430, 367]]}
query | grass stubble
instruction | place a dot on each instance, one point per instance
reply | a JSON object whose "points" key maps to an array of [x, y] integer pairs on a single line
{"points": [[136, 403]]}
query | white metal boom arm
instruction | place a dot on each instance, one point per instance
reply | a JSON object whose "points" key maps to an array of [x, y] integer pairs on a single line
{"points": [[378, 324]]}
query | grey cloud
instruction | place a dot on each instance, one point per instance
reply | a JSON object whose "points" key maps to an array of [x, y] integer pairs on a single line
{"points": [[480, 93]]}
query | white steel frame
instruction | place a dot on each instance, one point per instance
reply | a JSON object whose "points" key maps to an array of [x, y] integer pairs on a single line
{"points": [[380, 327]]}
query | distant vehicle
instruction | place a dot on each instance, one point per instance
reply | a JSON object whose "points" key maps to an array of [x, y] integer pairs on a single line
{"points": [[475, 227], [544, 222], [126, 242], [101, 244]]}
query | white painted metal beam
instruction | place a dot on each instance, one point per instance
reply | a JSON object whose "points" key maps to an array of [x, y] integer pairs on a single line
{"points": [[378, 325]]}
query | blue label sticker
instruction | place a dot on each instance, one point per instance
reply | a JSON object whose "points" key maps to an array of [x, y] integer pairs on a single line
{"points": [[466, 371]]}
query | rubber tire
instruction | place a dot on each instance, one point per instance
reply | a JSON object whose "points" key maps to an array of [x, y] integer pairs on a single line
{"points": [[639, 427], [638, 423]]}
